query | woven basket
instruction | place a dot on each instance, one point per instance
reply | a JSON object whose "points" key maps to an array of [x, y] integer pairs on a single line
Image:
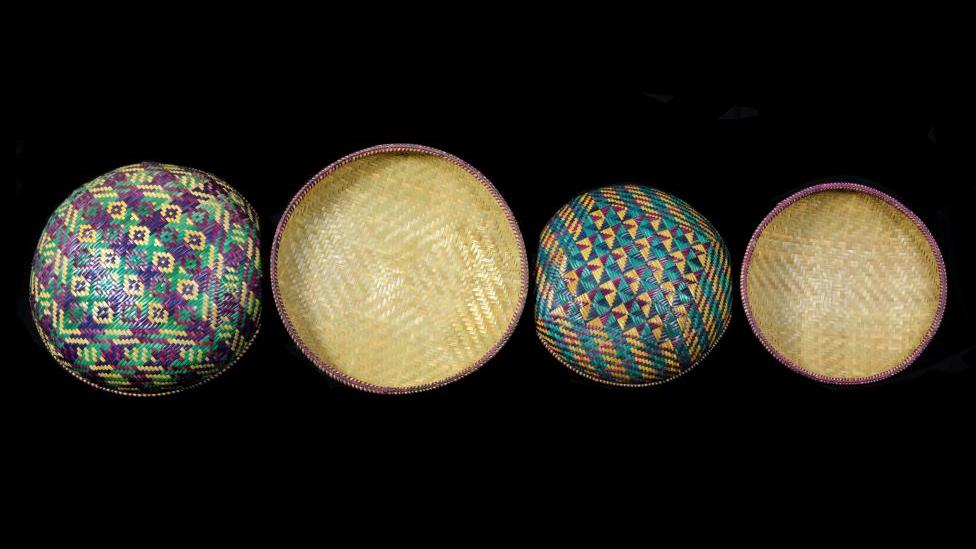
{"points": [[147, 280], [633, 286], [843, 284], [398, 269]]}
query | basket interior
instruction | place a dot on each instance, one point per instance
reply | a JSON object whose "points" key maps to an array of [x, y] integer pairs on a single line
{"points": [[400, 270], [843, 285]]}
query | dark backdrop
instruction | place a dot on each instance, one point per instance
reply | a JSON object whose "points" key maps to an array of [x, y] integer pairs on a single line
{"points": [[731, 151]]}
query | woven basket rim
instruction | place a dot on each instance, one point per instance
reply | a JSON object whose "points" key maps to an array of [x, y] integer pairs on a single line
{"points": [[844, 185], [67, 366], [330, 369]]}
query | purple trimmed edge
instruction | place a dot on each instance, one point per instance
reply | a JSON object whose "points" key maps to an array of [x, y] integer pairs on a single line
{"points": [[331, 370], [856, 187]]}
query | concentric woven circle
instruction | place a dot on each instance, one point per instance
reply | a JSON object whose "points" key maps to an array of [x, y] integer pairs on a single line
{"points": [[398, 269], [633, 286], [843, 284], [147, 280]]}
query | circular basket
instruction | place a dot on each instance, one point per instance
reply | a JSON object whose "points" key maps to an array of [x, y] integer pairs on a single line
{"points": [[633, 286], [399, 269], [843, 284], [147, 280]]}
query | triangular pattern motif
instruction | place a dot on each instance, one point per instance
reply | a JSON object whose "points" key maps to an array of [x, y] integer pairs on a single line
{"points": [[642, 289]]}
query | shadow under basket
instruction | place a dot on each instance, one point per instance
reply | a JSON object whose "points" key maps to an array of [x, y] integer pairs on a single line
{"points": [[398, 269], [843, 284]]}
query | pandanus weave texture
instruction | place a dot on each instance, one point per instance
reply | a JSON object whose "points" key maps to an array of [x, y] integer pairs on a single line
{"points": [[147, 280], [843, 284], [633, 286], [399, 269]]}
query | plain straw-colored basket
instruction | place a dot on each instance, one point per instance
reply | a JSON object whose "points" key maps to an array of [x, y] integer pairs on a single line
{"points": [[398, 269], [843, 284]]}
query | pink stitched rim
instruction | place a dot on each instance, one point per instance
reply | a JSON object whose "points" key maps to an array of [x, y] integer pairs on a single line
{"points": [[332, 370], [857, 187]]}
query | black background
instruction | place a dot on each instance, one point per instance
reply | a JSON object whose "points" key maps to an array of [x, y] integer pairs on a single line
{"points": [[541, 142]]}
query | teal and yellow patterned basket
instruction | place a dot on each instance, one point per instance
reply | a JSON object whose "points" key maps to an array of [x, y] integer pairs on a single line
{"points": [[633, 286]]}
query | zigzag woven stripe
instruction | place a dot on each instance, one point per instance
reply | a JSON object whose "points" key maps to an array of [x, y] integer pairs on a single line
{"points": [[633, 286], [147, 280]]}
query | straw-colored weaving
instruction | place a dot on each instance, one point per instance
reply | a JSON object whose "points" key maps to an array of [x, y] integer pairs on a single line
{"points": [[843, 285], [400, 270]]}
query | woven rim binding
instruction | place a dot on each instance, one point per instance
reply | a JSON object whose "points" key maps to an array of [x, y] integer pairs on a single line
{"points": [[331, 370], [856, 187]]}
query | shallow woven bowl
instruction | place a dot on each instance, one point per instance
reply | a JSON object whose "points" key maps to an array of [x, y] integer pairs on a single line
{"points": [[398, 269], [147, 280], [633, 286], [843, 284]]}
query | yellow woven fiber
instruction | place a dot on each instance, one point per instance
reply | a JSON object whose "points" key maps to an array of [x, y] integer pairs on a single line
{"points": [[843, 284], [401, 270]]}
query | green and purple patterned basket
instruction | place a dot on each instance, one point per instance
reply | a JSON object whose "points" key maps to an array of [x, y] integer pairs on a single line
{"points": [[147, 280], [633, 286]]}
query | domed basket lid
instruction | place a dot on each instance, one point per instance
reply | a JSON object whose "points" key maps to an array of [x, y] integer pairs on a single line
{"points": [[147, 280], [633, 286]]}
